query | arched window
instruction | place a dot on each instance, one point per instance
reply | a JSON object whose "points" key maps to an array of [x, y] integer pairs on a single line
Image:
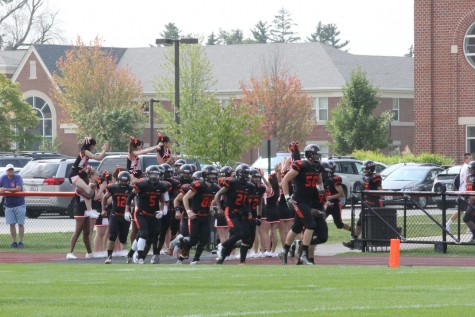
{"points": [[469, 45], [45, 125]]}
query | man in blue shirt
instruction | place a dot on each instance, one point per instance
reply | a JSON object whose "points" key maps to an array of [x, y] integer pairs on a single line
{"points": [[15, 207]]}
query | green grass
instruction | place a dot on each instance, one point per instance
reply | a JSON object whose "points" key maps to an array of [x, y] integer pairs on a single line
{"points": [[230, 290], [44, 243]]}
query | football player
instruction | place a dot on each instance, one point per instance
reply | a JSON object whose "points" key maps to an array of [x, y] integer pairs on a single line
{"points": [[118, 224]]}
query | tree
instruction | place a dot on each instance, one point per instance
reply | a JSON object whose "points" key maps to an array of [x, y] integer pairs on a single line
{"points": [[352, 125], [26, 22], [212, 39], [209, 129], [281, 28], [327, 34], [286, 109], [101, 99], [230, 38], [411, 52], [16, 118], [171, 32], [261, 32]]}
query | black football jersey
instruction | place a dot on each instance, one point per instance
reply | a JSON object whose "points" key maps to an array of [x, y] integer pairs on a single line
{"points": [[305, 184], [237, 194], [204, 195], [330, 185], [149, 195], [255, 197], [119, 196]]}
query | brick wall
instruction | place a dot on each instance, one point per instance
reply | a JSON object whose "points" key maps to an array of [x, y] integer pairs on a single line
{"points": [[443, 81]]}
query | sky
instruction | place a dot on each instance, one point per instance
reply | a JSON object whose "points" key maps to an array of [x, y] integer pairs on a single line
{"points": [[373, 27]]}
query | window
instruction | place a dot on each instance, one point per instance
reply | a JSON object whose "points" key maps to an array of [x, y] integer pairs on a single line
{"points": [[395, 109], [469, 45], [320, 107], [32, 69], [45, 125], [470, 139]]}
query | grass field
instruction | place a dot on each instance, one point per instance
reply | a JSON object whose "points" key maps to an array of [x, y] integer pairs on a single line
{"points": [[230, 290]]}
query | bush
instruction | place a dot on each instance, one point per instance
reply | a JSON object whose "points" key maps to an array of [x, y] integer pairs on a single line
{"points": [[404, 157]]}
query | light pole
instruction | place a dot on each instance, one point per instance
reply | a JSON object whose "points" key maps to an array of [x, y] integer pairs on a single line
{"points": [[176, 43], [151, 119]]}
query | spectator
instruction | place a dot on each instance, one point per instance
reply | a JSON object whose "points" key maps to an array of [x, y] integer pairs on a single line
{"points": [[464, 173], [15, 207], [469, 216]]}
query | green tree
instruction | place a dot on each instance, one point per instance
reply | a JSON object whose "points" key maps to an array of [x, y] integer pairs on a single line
{"points": [[281, 31], [327, 34], [16, 118], [261, 32], [171, 32], [212, 39], [352, 125], [209, 129], [101, 99], [411, 52], [231, 37]]}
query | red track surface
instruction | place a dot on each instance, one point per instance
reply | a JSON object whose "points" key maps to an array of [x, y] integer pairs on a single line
{"points": [[18, 257]]}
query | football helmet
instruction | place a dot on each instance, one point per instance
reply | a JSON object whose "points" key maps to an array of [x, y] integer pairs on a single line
{"points": [[368, 167], [178, 164], [167, 170], [185, 173], [471, 167], [243, 172], [255, 176], [153, 173], [312, 152], [209, 173], [328, 167], [196, 176], [123, 178], [226, 171]]}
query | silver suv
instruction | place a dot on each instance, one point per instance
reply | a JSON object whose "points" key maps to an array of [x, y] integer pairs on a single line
{"points": [[49, 175], [110, 163]]}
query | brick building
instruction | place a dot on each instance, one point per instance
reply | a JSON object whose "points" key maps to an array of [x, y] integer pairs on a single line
{"points": [[444, 77], [323, 71]]}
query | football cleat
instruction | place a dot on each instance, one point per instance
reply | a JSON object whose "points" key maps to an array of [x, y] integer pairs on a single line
{"points": [[155, 259], [283, 257]]}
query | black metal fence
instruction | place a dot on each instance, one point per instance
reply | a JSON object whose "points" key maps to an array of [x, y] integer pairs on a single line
{"points": [[417, 219]]}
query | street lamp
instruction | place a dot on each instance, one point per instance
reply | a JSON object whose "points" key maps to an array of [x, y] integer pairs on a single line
{"points": [[151, 120], [176, 43]]}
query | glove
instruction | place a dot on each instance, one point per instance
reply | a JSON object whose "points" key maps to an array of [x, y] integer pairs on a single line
{"points": [[191, 214], [128, 216], [159, 214], [290, 203], [165, 210], [258, 221]]}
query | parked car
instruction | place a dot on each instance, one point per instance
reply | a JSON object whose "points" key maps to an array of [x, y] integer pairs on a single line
{"points": [[410, 178], [263, 162], [16, 160], [391, 168], [110, 163], [445, 181], [50, 175], [350, 170]]}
